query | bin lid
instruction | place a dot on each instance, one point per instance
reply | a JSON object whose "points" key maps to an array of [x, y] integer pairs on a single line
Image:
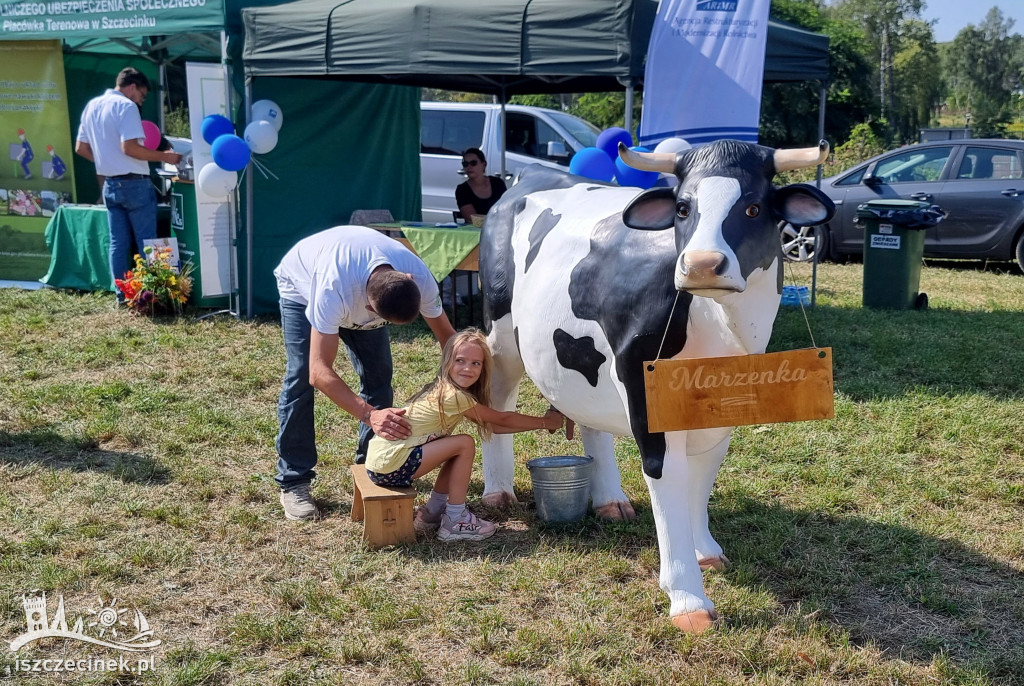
{"points": [[909, 214]]}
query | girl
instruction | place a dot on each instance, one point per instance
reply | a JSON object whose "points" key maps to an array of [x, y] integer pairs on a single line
{"points": [[461, 389]]}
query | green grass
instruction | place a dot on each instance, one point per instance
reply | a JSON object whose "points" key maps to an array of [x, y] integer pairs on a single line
{"points": [[880, 547]]}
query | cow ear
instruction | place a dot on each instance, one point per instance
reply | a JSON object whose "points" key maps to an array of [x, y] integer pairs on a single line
{"points": [[801, 204], [652, 210]]}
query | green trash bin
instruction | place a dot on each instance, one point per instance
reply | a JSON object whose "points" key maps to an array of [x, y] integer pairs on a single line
{"points": [[893, 249], [185, 227]]}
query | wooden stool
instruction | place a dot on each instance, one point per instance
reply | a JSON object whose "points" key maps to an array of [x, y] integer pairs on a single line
{"points": [[386, 512]]}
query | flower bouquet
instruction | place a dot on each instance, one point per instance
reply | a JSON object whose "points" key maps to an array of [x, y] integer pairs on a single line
{"points": [[154, 286]]}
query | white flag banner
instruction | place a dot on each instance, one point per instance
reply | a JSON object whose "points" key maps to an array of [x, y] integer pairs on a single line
{"points": [[705, 65]]}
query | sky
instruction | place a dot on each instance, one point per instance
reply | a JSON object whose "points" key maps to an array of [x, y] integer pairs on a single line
{"points": [[953, 15]]}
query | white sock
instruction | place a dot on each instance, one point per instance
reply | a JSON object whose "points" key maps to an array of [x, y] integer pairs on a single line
{"points": [[436, 502], [455, 512]]}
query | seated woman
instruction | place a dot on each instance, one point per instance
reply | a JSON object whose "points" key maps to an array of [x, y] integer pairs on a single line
{"points": [[479, 192]]}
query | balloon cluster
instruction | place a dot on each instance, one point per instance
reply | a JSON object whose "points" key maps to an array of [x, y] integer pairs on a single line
{"points": [[602, 162], [232, 153]]}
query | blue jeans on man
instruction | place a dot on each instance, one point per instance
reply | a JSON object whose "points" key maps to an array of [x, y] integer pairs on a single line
{"points": [[131, 214], [369, 350]]}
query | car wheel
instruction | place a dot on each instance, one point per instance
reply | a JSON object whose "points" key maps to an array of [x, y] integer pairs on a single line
{"points": [[799, 243], [1020, 252]]}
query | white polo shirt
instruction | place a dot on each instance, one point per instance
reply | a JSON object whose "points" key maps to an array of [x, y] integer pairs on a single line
{"points": [[106, 121], [328, 272]]}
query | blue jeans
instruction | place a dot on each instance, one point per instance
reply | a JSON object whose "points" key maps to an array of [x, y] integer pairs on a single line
{"points": [[131, 214], [370, 353]]}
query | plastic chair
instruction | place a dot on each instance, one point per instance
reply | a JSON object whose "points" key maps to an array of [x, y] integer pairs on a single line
{"points": [[367, 217]]}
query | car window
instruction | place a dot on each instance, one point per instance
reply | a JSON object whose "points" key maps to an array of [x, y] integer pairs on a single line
{"points": [[989, 163], [913, 165], [545, 135], [448, 132], [583, 131], [521, 133], [853, 179]]}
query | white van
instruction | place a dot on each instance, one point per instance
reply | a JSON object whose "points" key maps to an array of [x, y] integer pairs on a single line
{"points": [[534, 135]]}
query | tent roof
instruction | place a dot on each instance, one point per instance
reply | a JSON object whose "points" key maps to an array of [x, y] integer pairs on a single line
{"points": [[515, 46]]}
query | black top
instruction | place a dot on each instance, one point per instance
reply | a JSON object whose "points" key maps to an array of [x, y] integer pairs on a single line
{"points": [[464, 195]]}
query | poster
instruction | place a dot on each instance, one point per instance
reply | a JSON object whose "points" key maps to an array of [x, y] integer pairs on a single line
{"points": [[704, 72], [36, 171]]}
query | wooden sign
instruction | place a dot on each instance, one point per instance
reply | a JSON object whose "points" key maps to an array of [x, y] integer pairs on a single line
{"points": [[790, 386]]}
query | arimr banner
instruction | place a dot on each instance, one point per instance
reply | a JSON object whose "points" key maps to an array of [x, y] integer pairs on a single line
{"points": [[704, 70], [107, 18]]}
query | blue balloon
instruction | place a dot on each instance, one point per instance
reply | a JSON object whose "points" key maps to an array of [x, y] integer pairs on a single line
{"points": [[609, 140], [627, 176], [230, 153], [214, 126], [593, 164]]}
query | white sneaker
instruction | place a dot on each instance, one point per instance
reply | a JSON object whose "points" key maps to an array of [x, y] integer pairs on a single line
{"points": [[298, 504], [469, 528]]}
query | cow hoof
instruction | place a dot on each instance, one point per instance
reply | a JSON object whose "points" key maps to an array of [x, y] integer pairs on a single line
{"points": [[500, 500], [716, 563], [617, 511], [695, 622]]}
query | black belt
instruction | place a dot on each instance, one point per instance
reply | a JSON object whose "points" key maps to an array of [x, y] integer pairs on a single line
{"points": [[129, 176]]}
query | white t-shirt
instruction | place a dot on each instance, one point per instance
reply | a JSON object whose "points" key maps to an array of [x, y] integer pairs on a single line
{"points": [[106, 121], [328, 272]]}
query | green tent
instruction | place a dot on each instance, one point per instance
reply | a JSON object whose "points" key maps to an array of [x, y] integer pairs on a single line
{"points": [[502, 47]]}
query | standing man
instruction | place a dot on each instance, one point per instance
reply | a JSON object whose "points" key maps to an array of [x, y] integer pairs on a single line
{"points": [[344, 285], [111, 136]]}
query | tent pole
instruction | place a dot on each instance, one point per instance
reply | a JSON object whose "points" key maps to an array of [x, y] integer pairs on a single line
{"points": [[818, 231], [503, 128], [163, 93], [628, 114], [248, 210]]}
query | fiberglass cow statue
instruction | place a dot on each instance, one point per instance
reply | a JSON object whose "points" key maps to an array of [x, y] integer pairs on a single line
{"points": [[584, 282]]}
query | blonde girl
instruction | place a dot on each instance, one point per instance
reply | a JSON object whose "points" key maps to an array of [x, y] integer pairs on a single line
{"points": [[460, 390]]}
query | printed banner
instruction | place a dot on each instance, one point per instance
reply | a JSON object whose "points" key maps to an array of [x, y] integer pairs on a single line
{"points": [[36, 172], [81, 19], [705, 65]]}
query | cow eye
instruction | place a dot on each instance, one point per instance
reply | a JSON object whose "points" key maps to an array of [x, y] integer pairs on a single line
{"points": [[753, 211], [682, 209]]}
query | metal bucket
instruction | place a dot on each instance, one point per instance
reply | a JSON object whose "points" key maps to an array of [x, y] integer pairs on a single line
{"points": [[561, 486]]}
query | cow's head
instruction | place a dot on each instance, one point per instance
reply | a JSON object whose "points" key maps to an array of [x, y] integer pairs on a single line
{"points": [[725, 209]]}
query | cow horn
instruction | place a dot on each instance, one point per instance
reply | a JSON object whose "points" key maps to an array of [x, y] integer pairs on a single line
{"points": [[798, 158], [648, 161]]}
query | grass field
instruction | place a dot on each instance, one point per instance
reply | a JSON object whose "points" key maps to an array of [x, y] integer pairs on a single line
{"points": [[885, 546]]}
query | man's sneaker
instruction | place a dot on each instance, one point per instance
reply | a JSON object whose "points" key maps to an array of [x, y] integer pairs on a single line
{"points": [[298, 504], [424, 521], [470, 528]]}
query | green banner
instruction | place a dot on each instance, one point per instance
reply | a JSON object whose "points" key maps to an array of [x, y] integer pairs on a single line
{"points": [[74, 19], [36, 171]]}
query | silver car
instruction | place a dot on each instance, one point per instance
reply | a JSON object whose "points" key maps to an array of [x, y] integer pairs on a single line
{"points": [[979, 183]]}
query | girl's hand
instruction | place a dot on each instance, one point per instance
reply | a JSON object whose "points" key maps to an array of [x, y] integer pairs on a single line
{"points": [[558, 417], [390, 424]]}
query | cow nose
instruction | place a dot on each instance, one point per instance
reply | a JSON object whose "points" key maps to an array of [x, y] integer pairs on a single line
{"points": [[702, 265]]}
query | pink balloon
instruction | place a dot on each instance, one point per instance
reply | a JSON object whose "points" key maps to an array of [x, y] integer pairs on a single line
{"points": [[152, 135]]}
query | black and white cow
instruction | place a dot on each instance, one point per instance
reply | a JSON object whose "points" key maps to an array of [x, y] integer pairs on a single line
{"points": [[580, 280]]}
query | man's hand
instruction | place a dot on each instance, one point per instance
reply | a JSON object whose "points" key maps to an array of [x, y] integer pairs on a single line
{"points": [[552, 413], [390, 424]]}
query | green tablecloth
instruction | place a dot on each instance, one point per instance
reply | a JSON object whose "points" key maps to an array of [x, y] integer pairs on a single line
{"points": [[79, 241], [440, 248]]}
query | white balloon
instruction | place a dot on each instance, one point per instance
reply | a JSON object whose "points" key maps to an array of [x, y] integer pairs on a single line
{"points": [[261, 136], [216, 182], [672, 145], [267, 110]]}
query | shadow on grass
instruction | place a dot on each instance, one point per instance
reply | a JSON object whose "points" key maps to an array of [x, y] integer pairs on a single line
{"points": [[884, 353], [48, 448], [912, 594]]}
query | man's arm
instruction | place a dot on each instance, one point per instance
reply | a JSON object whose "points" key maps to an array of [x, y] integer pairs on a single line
{"points": [[85, 150], [323, 351], [133, 148], [441, 327]]}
